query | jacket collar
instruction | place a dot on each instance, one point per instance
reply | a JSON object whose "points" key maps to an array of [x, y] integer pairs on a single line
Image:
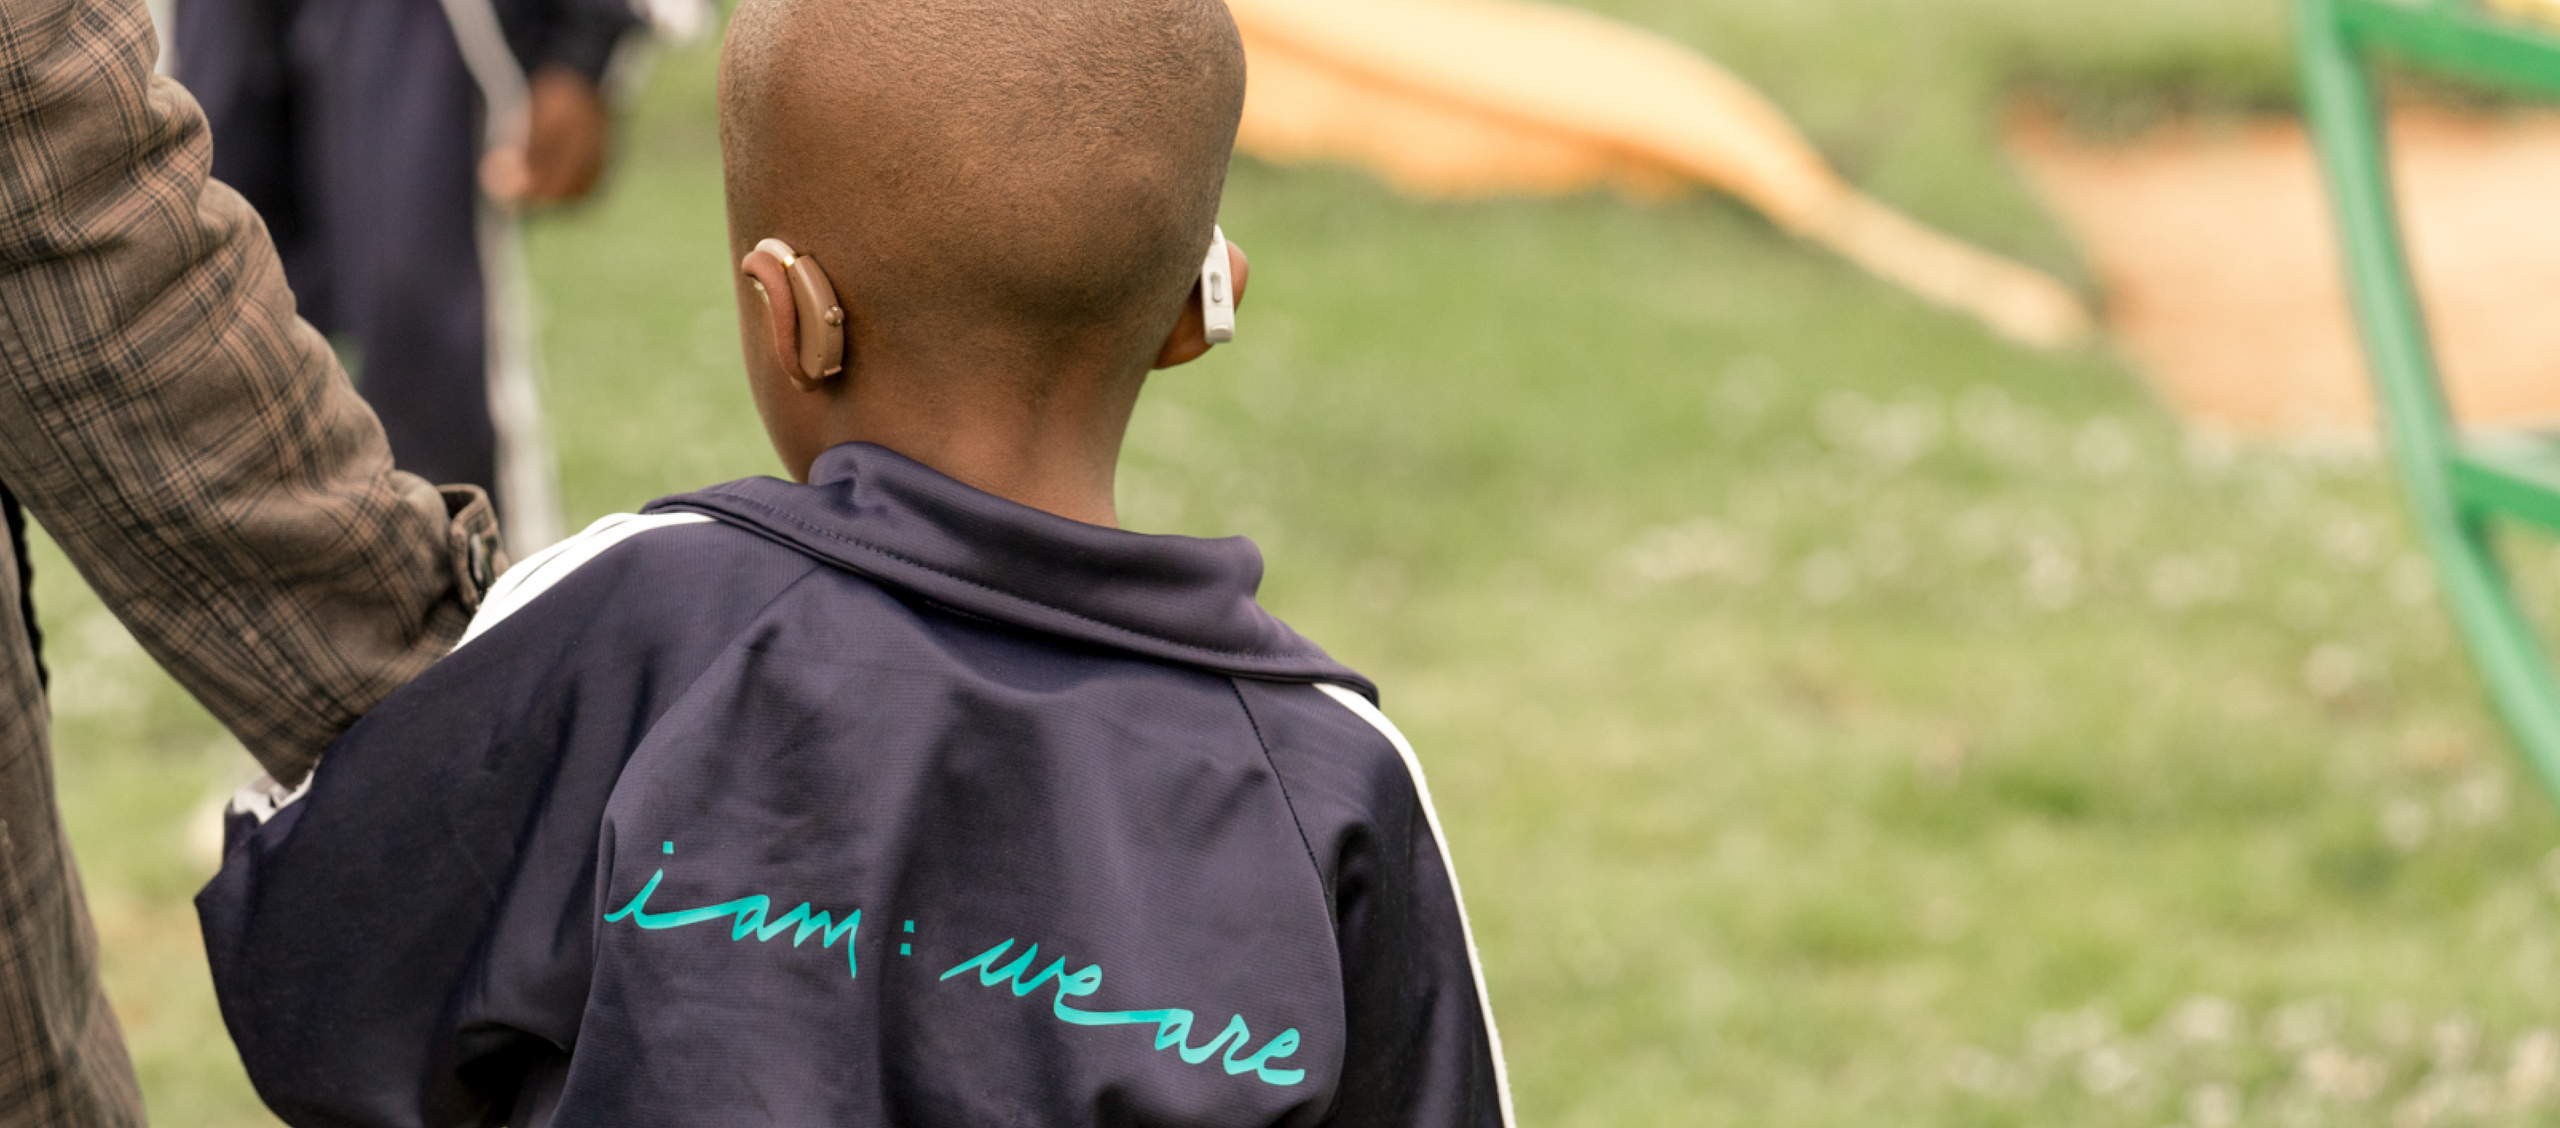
{"points": [[879, 514]]}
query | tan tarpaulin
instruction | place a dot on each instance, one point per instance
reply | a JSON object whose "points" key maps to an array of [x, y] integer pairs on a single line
{"points": [[1455, 98], [2547, 11]]}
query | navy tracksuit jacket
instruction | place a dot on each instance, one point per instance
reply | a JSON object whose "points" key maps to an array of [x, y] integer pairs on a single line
{"points": [[877, 801]]}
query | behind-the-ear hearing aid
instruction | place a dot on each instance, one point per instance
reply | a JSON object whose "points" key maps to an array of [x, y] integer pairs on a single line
{"points": [[1217, 290], [813, 299]]}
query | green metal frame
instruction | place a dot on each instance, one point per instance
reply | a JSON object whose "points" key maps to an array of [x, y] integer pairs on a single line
{"points": [[2459, 487]]}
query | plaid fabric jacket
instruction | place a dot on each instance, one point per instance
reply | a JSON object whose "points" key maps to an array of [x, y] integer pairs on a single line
{"points": [[196, 450]]}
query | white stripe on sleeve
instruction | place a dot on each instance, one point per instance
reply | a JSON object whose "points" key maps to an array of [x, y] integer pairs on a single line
{"points": [[535, 574], [1361, 708], [263, 797]]}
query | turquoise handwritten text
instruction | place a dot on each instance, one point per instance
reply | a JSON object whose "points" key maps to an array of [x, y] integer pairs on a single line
{"points": [[748, 915], [1173, 1025]]}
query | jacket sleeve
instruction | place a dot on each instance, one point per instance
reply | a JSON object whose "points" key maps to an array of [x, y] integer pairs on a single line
{"points": [[407, 943], [352, 936], [1422, 1050], [1419, 1045], [190, 443]]}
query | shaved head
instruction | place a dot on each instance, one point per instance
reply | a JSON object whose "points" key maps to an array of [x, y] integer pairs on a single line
{"points": [[1018, 175]]}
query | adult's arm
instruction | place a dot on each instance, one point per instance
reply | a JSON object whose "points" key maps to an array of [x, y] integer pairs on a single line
{"points": [[565, 47], [582, 35], [192, 445]]}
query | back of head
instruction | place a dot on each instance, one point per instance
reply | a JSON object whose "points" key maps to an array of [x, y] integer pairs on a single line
{"points": [[1015, 174]]}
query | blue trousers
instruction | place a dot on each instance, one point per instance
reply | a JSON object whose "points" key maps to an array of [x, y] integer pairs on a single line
{"points": [[351, 125]]}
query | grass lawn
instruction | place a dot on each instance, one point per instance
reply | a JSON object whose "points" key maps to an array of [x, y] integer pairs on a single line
{"points": [[1841, 718]]}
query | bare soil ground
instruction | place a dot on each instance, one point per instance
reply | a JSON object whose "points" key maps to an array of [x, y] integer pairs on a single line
{"points": [[2215, 247]]}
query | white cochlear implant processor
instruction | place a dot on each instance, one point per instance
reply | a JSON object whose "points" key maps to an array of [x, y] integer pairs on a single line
{"points": [[1217, 291]]}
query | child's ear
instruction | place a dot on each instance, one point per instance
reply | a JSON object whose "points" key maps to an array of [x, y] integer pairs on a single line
{"points": [[1189, 340], [806, 319]]}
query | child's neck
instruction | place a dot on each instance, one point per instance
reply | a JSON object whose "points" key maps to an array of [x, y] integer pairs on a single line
{"points": [[1058, 453]]}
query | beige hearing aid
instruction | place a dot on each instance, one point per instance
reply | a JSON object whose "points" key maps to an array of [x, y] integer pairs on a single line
{"points": [[813, 298]]}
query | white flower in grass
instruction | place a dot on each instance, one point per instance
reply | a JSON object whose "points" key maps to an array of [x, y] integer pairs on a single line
{"points": [[2052, 573], [2211, 450], [1750, 386], [2109, 1070], [2351, 540], [1827, 577], [2304, 1025], [2446, 1097], [2065, 1034], [2207, 1020], [2480, 799], [2213, 1106], [2332, 670], [2406, 824], [2300, 1111], [1882, 551], [2342, 1076], [2179, 582], [2001, 430], [1978, 533], [1698, 548], [1982, 1073], [2454, 1040], [2105, 447], [1891, 435], [2532, 1067]]}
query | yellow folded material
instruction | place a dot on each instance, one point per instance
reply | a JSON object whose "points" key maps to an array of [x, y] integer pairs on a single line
{"points": [[1456, 98], [2544, 11]]}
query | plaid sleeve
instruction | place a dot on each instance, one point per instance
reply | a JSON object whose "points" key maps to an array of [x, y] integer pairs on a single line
{"points": [[190, 442]]}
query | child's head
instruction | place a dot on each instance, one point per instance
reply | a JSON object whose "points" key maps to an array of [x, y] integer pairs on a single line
{"points": [[1011, 199]]}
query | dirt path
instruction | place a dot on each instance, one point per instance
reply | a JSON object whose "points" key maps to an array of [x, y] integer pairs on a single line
{"points": [[2215, 247]]}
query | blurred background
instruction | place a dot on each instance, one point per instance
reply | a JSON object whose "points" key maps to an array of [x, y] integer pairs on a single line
{"points": [[1841, 716]]}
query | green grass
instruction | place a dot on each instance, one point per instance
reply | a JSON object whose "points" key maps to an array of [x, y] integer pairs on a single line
{"points": [[1841, 718]]}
